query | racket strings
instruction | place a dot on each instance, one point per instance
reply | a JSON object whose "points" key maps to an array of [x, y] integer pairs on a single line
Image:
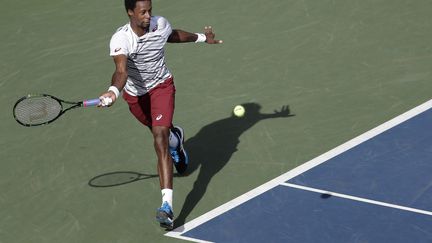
{"points": [[37, 110]]}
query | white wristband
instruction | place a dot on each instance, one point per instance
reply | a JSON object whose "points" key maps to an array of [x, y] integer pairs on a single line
{"points": [[114, 90], [201, 37]]}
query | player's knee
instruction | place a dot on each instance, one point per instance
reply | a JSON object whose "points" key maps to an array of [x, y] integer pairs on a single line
{"points": [[160, 137]]}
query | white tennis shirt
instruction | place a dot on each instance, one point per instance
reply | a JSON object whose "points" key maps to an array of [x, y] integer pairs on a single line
{"points": [[145, 55]]}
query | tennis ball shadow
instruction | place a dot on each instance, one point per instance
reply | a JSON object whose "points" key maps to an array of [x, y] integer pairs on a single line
{"points": [[326, 196], [212, 147]]}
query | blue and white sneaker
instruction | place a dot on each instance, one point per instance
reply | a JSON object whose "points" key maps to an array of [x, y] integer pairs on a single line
{"points": [[165, 216], [179, 155]]}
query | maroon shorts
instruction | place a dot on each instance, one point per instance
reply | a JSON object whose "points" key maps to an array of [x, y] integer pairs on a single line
{"points": [[156, 108]]}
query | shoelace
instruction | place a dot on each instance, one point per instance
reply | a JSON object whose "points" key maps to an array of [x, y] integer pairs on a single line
{"points": [[166, 208], [175, 155]]}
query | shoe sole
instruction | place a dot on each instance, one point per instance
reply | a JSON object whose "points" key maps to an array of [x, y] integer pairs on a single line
{"points": [[164, 220], [182, 142], [181, 134], [166, 226]]}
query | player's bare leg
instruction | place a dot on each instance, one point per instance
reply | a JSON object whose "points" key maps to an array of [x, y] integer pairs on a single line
{"points": [[165, 168], [164, 214]]}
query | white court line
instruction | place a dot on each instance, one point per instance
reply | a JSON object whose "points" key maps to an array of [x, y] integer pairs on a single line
{"points": [[190, 239], [299, 170], [415, 210]]}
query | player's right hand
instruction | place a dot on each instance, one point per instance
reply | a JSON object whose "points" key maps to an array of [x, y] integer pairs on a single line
{"points": [[107, 99]]}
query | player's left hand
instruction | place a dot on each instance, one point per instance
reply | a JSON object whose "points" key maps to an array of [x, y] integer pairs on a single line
{"points": [[210, 36]]}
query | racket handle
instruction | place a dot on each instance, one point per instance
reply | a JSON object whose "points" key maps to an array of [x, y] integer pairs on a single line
{"points": [[92, 102]]}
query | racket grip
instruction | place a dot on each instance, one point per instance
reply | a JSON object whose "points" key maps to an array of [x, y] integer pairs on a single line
{"points": [[92, 102]]}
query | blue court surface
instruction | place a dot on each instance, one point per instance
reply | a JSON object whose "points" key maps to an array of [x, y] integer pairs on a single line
{"points": [[373, 188]]}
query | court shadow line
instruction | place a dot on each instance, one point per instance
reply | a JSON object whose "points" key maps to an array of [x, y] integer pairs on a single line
{"points": [[212, 147]]}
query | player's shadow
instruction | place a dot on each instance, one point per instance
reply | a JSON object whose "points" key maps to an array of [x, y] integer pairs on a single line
{"points": [[212, 147]]}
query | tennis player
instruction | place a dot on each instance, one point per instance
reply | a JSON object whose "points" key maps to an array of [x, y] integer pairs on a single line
{"points": [[148, 87]]}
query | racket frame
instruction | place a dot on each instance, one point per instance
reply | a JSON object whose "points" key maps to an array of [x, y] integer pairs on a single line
{"points": [[74, 105]]}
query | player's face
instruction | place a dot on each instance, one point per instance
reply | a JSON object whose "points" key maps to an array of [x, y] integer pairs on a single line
{"points": [[141, 15]]}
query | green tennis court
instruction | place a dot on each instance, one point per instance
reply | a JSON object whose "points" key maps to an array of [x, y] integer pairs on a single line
{"points": [[342, 67]]}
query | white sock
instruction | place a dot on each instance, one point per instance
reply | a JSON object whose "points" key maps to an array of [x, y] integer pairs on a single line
{"points": [[173, 140], [167, 196]]}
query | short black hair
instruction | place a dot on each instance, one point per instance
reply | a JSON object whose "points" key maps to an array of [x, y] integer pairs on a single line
{"points": [[130, 4]]}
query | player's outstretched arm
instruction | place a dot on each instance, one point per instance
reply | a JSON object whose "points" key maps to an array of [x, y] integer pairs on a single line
{"points": [[181, 36], [118, 81]]}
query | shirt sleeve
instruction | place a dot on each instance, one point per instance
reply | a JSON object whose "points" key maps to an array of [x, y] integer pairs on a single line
{"points": [[164, 26], [119, 44]]}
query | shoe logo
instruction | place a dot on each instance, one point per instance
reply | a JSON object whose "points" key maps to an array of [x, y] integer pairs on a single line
{"points": [[159, 117], [117, 49]]}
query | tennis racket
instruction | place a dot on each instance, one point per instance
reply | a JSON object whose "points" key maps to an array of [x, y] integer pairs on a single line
{"points": [[41, 109]]}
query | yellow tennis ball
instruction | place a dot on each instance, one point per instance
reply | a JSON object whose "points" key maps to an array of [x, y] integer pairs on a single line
{"points": [[239, 111]]}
